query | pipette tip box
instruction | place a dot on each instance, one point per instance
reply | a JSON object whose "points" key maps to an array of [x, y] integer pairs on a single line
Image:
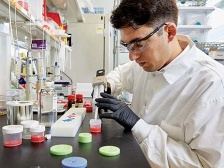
{"points": [[68, 124]]}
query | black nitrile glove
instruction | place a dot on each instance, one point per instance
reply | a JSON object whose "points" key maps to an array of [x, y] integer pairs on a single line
{"points": [[121, 112]]}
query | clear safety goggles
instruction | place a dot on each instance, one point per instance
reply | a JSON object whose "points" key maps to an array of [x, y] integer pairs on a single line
{"points": [[140, 45]]}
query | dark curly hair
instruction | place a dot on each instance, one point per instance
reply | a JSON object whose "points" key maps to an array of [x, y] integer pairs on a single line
{"points": [[136, 13]]}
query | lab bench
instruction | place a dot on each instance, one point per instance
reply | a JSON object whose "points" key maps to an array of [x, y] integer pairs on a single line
{"points": [[37, 155]]}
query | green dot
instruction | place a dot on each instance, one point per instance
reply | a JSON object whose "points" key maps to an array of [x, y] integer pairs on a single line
{"points": [[61, 149], [109, 150], [85, 138]]}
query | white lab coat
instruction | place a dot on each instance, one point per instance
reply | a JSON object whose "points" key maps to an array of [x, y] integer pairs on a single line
{"points": [[181, 108]]}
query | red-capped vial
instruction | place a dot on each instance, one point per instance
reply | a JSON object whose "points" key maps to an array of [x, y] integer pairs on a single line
{"points": [[71, 101], [79, 101]]}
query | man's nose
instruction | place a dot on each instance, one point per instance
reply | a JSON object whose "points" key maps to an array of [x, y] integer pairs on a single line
{"points": [[133, 55]]}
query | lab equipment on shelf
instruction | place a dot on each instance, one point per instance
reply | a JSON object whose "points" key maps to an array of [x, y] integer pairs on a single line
{"points": [[63, 88], [15, 95], [191, 2]]}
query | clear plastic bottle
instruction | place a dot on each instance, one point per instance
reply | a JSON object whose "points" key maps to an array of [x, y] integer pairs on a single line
{"points": [[47, 105]]}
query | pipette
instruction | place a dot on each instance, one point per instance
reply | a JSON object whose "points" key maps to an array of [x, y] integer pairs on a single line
{"points": [[97, 90], [96, 112], [95, 95], [99, 84]]}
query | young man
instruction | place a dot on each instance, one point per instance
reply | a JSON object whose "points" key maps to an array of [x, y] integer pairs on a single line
{"points": [[177, 111]]}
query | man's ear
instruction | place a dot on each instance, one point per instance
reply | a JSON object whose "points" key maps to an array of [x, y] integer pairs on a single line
{"points": [[171, 29]]}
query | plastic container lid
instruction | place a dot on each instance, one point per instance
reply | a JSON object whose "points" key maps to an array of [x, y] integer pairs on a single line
{"points": [[71, 97], [95, 122], [79, 96], [12, 129], [109, 150], [85, 138], [29, 123], [37, 128], [20, 103], [61, 149], [74, 162]]}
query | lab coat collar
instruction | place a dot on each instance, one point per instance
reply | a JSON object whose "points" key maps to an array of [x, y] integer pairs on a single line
{"points": [[176, 68]]}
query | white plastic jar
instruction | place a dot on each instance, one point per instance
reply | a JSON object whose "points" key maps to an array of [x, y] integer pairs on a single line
{"points": [[37, 133], [12, 135], [26, 127]]}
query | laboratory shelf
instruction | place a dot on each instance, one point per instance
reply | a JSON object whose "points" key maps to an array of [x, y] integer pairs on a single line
{"points": [[17, 13], [62, 35], [25, 28], [196, 8], [194, 21], [32, 31], [71, 9], [194, 27], [212, 45]]}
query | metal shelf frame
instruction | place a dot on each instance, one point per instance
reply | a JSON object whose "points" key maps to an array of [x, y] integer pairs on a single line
{"points": [[26, 26]]}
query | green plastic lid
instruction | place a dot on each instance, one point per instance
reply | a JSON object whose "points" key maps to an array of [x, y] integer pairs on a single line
{"points": [[109, 150], [85, 138], [61, 149]]}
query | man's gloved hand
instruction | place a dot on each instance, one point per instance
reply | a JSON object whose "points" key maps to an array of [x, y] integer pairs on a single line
{"points": [[121, 112]]}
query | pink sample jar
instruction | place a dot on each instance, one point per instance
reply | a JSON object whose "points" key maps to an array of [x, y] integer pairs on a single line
{"points": [[37, 133], [95, 125], [12, 135]]}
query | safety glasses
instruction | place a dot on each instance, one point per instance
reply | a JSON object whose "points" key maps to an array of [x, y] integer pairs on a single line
{"points": [[140, 45]]}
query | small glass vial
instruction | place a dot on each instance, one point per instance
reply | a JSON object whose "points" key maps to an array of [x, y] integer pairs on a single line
{"points": [[37, 133], [26, 127], [79, 101], [47, 105], [71, 101], [12, 135]]}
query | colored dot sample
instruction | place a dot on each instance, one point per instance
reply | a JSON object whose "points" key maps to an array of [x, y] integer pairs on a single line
{"points": [[109, 151], [74, 162], [85, 138], [61, 149]]}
